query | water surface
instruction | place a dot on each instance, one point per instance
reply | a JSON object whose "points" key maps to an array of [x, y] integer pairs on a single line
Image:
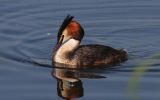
{"points": [[28, 31]]}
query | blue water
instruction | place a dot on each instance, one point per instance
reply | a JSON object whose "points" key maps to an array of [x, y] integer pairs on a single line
{"points": [[28, 31]]}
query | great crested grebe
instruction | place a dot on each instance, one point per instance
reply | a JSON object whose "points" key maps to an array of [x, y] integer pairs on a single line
{"points": [[70, 53]]}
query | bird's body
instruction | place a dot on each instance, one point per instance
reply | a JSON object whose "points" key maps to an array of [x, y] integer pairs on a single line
{"points": [[70, 53], [95, 55]]}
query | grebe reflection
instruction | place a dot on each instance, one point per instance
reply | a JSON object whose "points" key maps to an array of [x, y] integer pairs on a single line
{"points": [[69, 84]]}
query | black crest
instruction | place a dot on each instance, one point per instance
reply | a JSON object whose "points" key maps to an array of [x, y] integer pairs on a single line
{"points": [[66, 21]]}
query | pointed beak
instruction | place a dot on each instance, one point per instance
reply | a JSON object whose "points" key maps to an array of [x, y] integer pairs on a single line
{"points": [[59, 43]]}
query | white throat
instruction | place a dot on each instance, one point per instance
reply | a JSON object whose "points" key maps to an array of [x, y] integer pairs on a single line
{"points": [[67, 47]]}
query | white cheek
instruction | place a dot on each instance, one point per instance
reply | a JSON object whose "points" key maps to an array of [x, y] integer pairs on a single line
{"points": [[70, 45]]}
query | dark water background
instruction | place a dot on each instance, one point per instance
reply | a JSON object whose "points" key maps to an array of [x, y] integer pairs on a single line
{"points": [[28, 30]]}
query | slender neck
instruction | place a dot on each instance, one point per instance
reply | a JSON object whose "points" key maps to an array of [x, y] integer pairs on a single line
{"points": [[67, 48]]}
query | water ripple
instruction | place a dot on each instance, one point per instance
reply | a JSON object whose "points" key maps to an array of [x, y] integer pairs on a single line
{"points": [[28, 32]]}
